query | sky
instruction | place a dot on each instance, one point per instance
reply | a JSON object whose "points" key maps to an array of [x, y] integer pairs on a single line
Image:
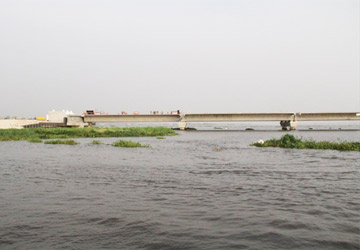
{"points": [[197, 56]]}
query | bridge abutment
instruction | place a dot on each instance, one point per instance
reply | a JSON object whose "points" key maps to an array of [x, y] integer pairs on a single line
{"points": [[76, 121]]}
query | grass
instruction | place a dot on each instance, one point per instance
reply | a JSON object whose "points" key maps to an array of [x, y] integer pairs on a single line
{"points": [[93, 132], [160, 137], [129, 144], [66, 142], [290, 141]]}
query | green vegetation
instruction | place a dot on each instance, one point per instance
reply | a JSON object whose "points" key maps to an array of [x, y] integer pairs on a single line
{"points": [[160, 137], [96, 142], [289, 141], [92, 132], [66, 142], [129, 144], [34, 139]]}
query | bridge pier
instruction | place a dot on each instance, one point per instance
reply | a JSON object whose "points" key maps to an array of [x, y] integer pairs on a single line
{"points": [[288, 125], [182, 125]]}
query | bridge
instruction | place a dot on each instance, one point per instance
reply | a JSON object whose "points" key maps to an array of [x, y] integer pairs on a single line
{"points": [[288, 121]]}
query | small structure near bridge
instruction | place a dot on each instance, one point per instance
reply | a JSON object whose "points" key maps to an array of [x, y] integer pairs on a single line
{"points": [[58, 116]]}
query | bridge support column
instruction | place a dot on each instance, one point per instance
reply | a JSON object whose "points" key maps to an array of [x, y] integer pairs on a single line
{"points": [[182, 122], [182, 125], [288, 125]]}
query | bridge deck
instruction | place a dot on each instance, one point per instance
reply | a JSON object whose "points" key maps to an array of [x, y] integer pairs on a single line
{"points": [[132, 118], [226, 117], [238, 117], [328, 116]]}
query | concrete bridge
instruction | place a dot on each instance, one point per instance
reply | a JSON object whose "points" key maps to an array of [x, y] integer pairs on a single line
{"points": [[288, 121]]}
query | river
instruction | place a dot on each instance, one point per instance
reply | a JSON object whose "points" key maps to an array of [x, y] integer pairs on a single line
{"points": [[197, 190]]}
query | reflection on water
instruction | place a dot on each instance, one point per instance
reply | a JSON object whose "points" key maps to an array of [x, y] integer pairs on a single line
{"points": [[180, 194]]}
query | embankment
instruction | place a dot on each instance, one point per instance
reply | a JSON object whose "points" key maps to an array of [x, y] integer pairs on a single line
{"points": [[16, 123]]}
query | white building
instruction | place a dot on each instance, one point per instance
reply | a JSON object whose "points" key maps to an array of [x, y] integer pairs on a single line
{"points": [[58, 116]]}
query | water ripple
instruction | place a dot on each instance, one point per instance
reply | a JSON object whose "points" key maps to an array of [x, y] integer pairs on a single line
{"points": [[180, 194]]}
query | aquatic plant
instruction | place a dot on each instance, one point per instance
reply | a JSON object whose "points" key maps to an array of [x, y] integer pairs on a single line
{"points": [[290, 141], [92, 132], [160, 137], [96, 142], [16, 134], [129, 144], [66, 142], [34, 139]]}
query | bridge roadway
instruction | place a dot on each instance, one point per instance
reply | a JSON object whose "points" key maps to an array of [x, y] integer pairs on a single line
{"points": [[288, 120]]}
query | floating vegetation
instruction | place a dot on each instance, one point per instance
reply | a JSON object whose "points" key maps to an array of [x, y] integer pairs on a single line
{"points": [[160, 137], [290, 141], [35, 139], [96, 142], [66, 142], [92, 132], [130, 144]]}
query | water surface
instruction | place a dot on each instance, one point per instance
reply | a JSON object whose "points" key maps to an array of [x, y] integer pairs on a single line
{"points": [[180, 194]]}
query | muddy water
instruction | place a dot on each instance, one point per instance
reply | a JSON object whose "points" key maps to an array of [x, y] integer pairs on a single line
{"points": [[198, 190]]}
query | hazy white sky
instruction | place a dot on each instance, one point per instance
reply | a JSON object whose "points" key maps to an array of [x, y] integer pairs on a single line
{"points": [[193, 55]]}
